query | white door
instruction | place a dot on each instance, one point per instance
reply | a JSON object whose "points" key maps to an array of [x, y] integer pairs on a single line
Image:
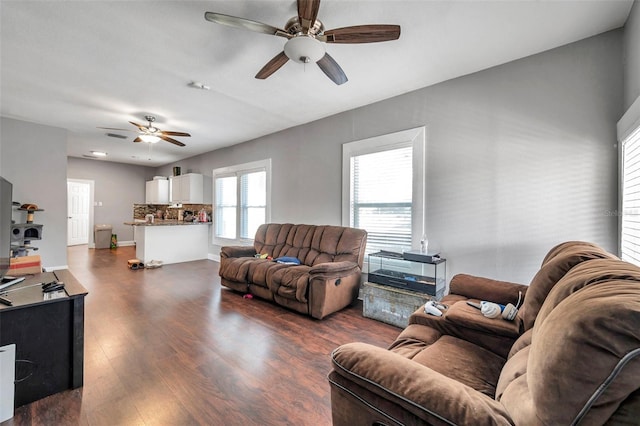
{"points": [[78, 202]]}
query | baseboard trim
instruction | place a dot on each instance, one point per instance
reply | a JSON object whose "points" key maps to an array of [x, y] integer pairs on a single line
{"points": [[214, 257], [54, 268]]}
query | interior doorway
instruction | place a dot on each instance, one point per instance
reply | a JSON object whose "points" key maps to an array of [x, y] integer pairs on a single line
{"points": [[79, 211]]}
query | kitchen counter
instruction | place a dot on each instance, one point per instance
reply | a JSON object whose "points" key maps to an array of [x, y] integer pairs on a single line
{"points": [[160, 222], [170, 241]]}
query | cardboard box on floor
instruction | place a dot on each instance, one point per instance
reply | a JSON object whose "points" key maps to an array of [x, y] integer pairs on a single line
{"points": [[25, 265]]}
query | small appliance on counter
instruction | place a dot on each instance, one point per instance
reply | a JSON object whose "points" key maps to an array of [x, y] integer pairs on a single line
{"points": [[188, 216], [149, 218]]}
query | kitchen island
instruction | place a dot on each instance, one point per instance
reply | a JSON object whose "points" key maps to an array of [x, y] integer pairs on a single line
{"points": [[170, 241]]}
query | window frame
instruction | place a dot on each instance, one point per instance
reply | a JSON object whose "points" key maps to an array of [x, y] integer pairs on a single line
{"points": [[627, 129], [630, 209], [237, 171], [415, 137]]}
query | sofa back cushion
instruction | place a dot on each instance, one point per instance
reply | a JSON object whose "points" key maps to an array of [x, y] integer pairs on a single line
{"points": [[551, 272], [583, 362], [588, 273], [311, 244], [565, 246]]}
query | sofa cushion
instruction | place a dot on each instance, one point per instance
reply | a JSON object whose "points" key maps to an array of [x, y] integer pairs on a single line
{"points": [[564, 247], [413, 340], [513, 369], [237, 268], [455, 358], [523, 341], [591, 272], [289, 281], [552, 271], [585, 353], [464, 362]]}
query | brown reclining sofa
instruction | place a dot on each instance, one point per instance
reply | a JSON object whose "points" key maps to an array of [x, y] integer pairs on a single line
{"points": [[326, 280], [571, 356]]}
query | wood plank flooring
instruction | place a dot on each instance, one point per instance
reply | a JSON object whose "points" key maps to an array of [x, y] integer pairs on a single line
{"points": [[170, 346]]}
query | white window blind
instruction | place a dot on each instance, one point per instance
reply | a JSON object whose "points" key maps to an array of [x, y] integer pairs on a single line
{"points": [[381, 199], [630, 222], [240, 200], [253, 201], [226, 207]]}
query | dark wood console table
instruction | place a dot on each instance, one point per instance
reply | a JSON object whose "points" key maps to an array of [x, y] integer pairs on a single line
{"points": [[48, 334]]}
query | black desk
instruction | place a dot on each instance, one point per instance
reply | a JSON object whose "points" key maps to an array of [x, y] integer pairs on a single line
{"points": [[49, 335]]}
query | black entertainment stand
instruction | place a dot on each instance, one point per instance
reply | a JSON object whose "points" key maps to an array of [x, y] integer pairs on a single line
{"points": [[48, 334]]}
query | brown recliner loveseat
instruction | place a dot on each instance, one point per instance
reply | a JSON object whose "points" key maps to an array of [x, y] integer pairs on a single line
{"points": [[572, 355], [326, 280]]}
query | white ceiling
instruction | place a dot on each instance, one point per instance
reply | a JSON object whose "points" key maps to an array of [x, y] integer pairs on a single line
{"points": [[79, 65]]}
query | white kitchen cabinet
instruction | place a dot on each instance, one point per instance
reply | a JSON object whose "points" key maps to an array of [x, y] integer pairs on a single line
{"points": [[157, 192], [187, 188]]}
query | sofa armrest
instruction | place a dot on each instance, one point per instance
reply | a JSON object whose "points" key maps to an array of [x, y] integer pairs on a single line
{"points": [[482, 288], [427, 394], [332, 286], [237, 251], [471, 318], [334, 269], [467, 323]]}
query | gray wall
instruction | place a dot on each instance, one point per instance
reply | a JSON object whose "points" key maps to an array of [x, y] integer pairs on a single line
{"points": [[33, 158], [632, 56], [117, 186], [519, 157]]}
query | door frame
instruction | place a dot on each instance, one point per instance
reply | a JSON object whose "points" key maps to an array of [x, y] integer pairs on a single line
{"points": [[92, 243]]}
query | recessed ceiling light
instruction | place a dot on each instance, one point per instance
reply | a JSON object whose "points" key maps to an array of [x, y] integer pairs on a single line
{"points": [[99, 153]]}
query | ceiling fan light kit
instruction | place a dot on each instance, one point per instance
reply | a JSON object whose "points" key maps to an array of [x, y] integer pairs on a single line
{"points": [[305, 34], [304, 49], [149, 138]]}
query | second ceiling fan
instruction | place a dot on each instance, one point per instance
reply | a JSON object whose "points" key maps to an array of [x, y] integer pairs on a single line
{"points": [[306, 35], [152, 134]]}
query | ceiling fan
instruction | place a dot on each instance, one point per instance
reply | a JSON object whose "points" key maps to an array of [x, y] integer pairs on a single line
{"points": [[152, 134], [305, 34]]}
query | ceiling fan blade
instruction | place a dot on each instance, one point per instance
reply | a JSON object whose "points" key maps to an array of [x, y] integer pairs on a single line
{"points": [[330, 67], [137, 139], [247, 24], [272, 66], [173, 141], [361, 34], [308, 13], [139, 126], [113, 128], [170, 133]]}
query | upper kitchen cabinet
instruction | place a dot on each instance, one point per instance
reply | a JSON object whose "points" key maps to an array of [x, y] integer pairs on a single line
{"points": [[157, 191], [187, 188]]}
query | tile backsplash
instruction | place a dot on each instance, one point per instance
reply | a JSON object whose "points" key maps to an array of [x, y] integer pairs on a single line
{"points": [[162, 211]]}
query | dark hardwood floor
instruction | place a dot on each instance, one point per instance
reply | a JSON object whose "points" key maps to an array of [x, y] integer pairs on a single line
{"points": [[170, 346]]}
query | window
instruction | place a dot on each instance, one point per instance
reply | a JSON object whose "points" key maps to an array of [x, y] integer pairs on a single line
{"points": [[241, 200], [630, 217], [383, 181]]}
